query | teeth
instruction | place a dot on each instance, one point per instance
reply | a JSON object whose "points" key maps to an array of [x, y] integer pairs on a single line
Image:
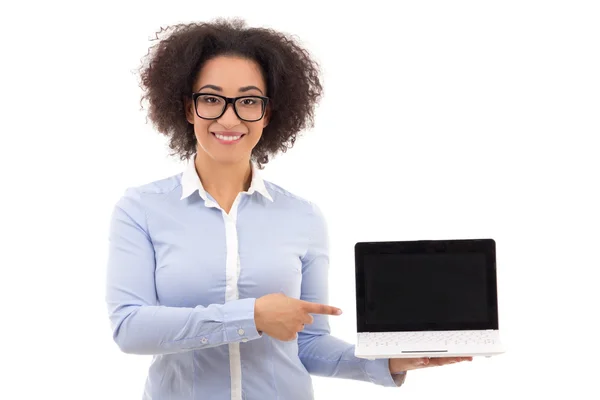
{"points": [[228, 138]]}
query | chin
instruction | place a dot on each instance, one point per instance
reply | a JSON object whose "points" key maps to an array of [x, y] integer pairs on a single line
{"points": [[230, 158], [225, 154]]}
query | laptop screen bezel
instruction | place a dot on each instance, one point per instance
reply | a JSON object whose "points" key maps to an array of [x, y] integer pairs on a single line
{"points": [[485, 246]]}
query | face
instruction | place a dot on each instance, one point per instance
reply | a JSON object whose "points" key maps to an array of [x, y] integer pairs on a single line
{"points": [[231, 77]]}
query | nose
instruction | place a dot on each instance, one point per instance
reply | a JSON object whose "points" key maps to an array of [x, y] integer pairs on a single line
{"points": [[229, 119]]}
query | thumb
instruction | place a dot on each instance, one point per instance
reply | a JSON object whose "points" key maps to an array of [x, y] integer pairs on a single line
{"points": [[420, 362]]}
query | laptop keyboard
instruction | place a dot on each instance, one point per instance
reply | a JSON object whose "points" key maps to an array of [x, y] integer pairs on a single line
{"points": [[449, 338]]}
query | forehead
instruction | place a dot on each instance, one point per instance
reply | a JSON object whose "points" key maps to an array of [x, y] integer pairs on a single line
{"points": [[230, 73]]}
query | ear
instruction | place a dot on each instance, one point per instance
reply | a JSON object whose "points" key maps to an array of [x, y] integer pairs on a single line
{"points": [[189, 109], [267, 118]]}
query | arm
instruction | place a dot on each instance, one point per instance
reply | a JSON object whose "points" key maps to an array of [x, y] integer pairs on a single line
{"points": [[321, 353], [139, 324]]}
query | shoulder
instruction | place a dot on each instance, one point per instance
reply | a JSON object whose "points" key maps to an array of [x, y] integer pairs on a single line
{"points": [[287, 198], [306, 209], [134, 196]]}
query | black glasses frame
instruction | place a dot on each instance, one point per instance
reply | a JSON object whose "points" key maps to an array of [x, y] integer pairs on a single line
{"points": [[232, 101]]}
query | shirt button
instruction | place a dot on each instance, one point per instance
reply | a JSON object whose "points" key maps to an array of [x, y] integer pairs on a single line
{"points": [[241, 331], [204, 340], [244, 340]]}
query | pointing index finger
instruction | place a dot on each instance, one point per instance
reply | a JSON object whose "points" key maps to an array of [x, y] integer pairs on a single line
{"points": [[316, 308]]}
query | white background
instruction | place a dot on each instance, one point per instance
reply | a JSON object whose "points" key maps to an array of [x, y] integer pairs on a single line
{"points": [[450, 119]]}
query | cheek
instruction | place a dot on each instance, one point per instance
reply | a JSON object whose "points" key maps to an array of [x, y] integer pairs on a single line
{"points": [[201, 130], [256, 130]]}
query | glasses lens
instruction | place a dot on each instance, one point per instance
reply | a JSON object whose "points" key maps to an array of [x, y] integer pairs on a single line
{"points": [[209, 106], [250, 108]]}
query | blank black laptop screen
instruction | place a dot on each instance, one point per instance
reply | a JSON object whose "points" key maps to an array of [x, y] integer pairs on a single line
{"points": [[435, 290]]}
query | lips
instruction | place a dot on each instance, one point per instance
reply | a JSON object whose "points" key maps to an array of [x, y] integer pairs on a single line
{"points": [[228, 137]]}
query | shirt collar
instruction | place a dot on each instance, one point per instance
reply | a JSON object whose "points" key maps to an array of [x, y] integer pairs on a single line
{"points": [[190, 182]]}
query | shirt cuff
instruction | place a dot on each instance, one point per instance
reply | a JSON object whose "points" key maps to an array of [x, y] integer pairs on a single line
{"points": [[378, 372], [399, 378], [239, 321]]}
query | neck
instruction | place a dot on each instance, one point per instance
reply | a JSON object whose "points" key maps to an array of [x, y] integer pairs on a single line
{"points": [[223, 180]]}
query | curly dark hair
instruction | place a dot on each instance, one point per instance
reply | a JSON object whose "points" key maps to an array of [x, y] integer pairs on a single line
{"points": [[170, 69]]}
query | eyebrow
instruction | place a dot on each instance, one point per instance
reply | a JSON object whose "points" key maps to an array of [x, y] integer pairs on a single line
{"points": [[220, 89]]}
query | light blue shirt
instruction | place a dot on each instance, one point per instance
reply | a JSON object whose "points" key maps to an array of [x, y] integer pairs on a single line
{"points": [[182, 279]]}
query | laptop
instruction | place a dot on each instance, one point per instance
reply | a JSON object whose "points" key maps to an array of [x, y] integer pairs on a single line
{"points": [[427, 298]]}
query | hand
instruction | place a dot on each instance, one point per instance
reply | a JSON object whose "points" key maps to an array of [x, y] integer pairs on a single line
{"points": [[398, 365], [282, 317]]}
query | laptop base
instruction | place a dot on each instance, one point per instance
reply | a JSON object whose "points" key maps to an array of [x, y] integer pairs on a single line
{"points": [[416, 354]]}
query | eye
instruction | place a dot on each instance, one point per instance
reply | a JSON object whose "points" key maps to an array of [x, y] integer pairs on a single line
{"points": [[248, 102], [210, 99]]}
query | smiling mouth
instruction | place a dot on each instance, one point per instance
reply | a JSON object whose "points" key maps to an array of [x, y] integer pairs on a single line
{"points": [[228, 138]]}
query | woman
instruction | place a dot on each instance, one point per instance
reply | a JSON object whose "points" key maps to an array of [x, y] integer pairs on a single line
{"points": [[218, 274]]}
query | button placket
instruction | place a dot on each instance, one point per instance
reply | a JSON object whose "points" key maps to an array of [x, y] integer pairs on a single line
{"points": [[231, 293]]}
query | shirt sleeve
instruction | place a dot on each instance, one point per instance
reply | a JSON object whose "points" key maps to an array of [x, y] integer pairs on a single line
{"points": [[140, 325], [321, 353]]}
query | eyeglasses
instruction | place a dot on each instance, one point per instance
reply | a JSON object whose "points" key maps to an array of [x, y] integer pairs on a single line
{"points": [[213, 106]]}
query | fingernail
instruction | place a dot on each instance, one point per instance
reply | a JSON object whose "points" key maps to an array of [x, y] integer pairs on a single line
{"points": [[338, 312]]}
